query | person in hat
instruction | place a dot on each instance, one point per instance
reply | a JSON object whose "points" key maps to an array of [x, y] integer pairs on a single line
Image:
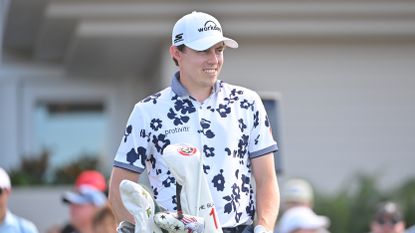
{"points": [[92, 178], [104, 221], [298, 194], [388, 218], [302, 219], [85, 201], [227, 123], [10, 222]]}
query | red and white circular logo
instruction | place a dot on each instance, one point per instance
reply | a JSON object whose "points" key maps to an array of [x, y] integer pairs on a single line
{"points": [[186, 150]]}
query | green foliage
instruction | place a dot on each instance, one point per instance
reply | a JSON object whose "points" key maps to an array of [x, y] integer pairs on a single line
{"points": [[406, 196], [67, 174], [352, 208], [35, 170], [32, 170]]}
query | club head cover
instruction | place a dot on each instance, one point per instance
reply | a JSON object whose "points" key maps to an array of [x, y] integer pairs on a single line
{"points": [[188, 224], [175, 156], [140, 204], [125, 227], [186, 165]]}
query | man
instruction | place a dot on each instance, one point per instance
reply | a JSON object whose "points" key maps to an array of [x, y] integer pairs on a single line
{"points": [[9, 222], [104, 221], [297, 192], [227, 123], [388, 219], [85, 201], [302, 219], [297, 204]]}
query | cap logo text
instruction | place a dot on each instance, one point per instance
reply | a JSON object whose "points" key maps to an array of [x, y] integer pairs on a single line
{"points": [[178, 38], [209, 25]]}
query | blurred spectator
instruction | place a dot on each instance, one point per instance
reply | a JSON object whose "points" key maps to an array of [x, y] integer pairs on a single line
{"points": [[302, 219], [388, 218], [85, 201], [297, 202], [104, 221], [93, 179], [9, 222], [410, 229], [297, 192]]}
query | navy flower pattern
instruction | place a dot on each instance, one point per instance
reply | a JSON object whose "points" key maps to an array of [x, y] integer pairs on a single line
{"points": [[160, 142], [246, 105], [156, 124], [184, 106], [209, 151], [223, 110], [133, 156], [205, 125], [256, 119], [152, 98], [127, 132], [233, 202], [219, 181], [227, 129], [143, 134], [242, 125]]}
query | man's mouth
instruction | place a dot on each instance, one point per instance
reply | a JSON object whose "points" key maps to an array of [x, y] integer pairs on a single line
{"points": [[209, 71]]}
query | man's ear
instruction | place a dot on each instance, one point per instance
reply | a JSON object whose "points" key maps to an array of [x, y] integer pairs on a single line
{"points": [[175, 52]]}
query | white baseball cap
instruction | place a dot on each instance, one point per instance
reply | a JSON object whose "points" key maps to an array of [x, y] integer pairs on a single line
{"points": [[199, 31], [4, 179], [302, 218], [298, 191], [85, 195]]}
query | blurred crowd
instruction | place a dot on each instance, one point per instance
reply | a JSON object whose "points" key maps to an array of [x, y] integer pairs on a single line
{"points": [[298, 216], [89, 211]]}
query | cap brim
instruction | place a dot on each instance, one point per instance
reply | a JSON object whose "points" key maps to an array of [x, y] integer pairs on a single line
{"points": [[318, 222], [85, 195], [302, 218], [74, 198], [207, 42]]}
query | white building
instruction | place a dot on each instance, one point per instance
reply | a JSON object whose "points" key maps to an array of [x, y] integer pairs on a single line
{"points": [[339, 74]]}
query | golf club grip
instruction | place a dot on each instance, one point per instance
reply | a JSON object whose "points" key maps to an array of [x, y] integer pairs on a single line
{"points": [[179, 204]]}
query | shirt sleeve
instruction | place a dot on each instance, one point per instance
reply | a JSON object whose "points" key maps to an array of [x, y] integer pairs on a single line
{"points": [[261, 139], [131, 153], [28, 226]]}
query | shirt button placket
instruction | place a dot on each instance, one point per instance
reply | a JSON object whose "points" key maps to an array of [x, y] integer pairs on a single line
{"points": [[202, 137]]}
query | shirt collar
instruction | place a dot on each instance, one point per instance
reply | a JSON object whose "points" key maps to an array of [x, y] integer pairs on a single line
{"points": [[181, 91], [8, 219]]}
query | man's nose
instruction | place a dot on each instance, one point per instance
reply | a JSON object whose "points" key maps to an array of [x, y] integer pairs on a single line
{"points": [[212, 57]]}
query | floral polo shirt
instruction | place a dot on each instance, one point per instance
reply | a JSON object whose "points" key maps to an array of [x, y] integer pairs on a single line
{"points": [[229, 128]]}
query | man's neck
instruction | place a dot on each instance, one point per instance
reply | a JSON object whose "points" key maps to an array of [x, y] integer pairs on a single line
{"points": [[87, 229], [201, 96], [3, 212], [199, 93]]}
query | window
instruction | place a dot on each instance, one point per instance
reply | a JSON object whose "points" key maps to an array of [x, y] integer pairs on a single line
{"points": [[69, 131]]}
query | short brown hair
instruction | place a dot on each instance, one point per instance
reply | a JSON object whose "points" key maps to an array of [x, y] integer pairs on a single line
{"points": [[180, 48]]}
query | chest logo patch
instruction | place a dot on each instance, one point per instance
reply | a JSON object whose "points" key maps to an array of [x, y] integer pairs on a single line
{"points": [[186, 150]]}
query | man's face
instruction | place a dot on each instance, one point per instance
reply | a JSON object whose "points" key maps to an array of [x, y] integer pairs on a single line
{"points": [[200, 69], [4, 196], [387, 225], [81, 215]]}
